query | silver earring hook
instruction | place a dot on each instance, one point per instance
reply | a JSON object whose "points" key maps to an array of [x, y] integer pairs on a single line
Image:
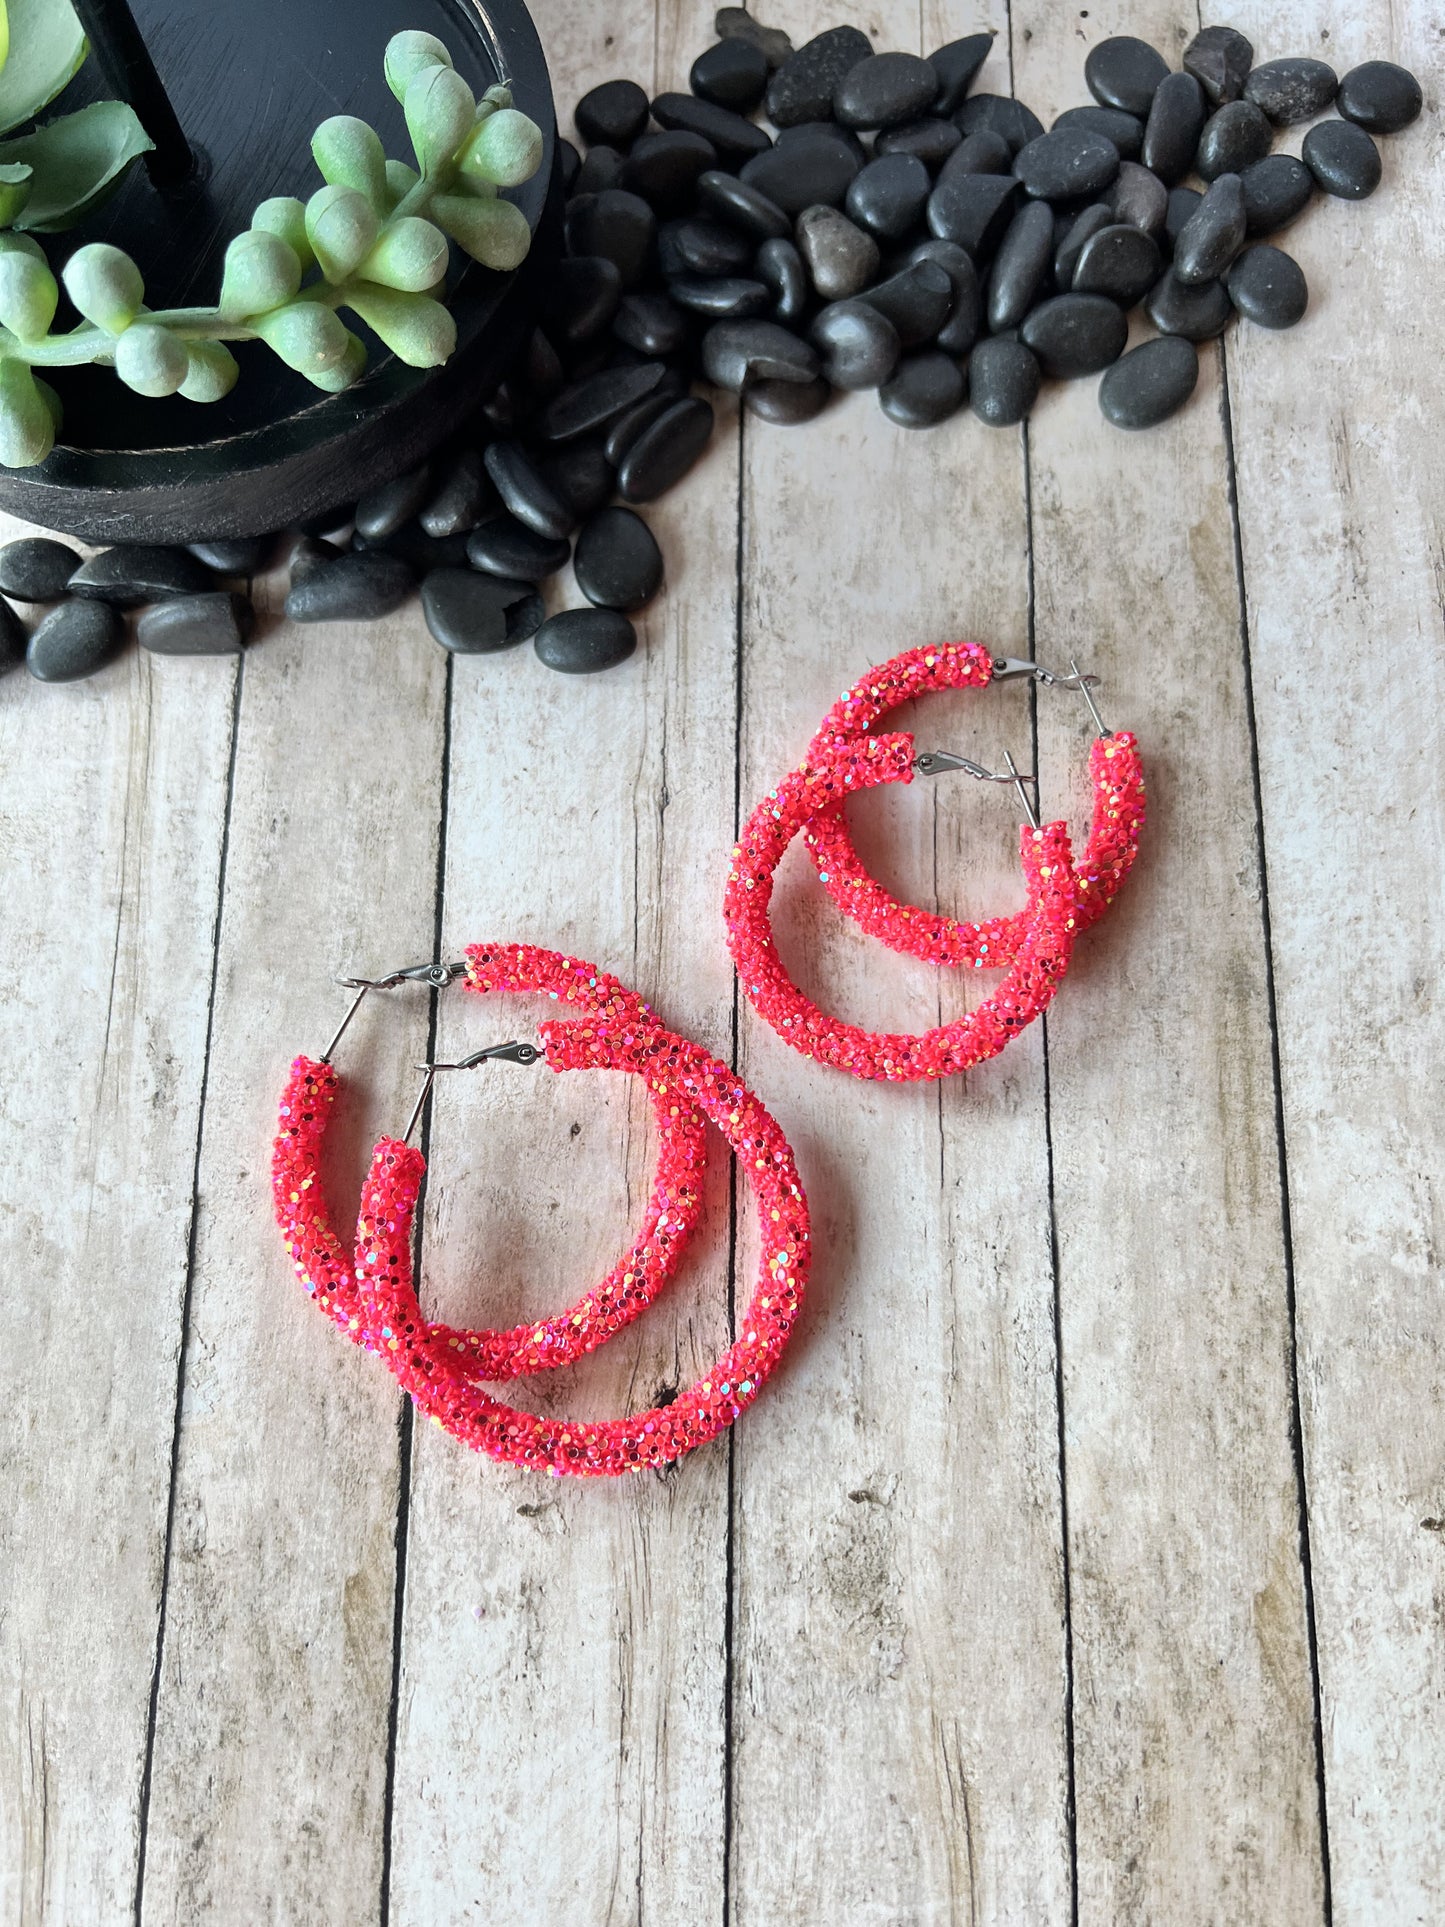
{"points": [[438, 975], [935, 762], [509, 1053], [1014, 668], [1019, 780]]}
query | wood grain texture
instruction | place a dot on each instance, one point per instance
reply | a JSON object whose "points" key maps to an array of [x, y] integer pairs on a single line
{"points": [[269, 1776], [110, 830], [1342, 514]]}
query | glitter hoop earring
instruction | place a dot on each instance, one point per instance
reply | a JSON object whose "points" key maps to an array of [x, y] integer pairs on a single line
{"points": [[830, 774], [328, 1271], [617, 1036], [1116, 774]]}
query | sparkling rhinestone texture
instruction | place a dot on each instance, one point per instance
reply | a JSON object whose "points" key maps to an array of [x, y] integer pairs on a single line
{"points": [[327, 1269], [391, 1314], [831, 773], [1117, 778], [372, 1296]]}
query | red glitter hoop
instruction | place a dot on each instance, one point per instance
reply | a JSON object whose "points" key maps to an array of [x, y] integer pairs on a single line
{"points": [[1038, 967], [328, 1270], [1118, 784], [391, 1313]]}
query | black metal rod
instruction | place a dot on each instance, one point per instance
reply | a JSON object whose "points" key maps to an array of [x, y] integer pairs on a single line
{"points": [[129, 71]]}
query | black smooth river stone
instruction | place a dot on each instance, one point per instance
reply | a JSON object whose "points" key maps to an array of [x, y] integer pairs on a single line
{"points": [[1219, 59], [1119, 261], [629, 425], [1275, 190], [1380, 97], [416, 548], [779, 267], [721, 296], [309, 552], [134, 572], [695, 246], [732, 201], [1343, 159], [36, 569], [578, 298], [214, 624], [614, 113], [888, 196], [1068, 164], [999, 114], [1289, 90], [505, 547], [1003, 382], [526, 492], [239, 555], [618, 564], [1182, 203], [814, 167], [458, 505], [1150, 383], [1197, 313], [472, 615], [736, 23], [956, 67], [580, 476], [1020, 265], [971, 209], [802, 88], [960, 331], [841, 259], [923, 390], [734, 138], [1125, 131], [13, 639], [587, 405], [617, 225], [786, 403], [1213, 234], [859, 346], [735, 353], [355, 588], [601, 169], [929, 141], [917, 300], [650, 323], [1234, 138], [1171, 134], [982, 152], [1075, 334], [885, 90], [664, 168], [734, 73], [1140, 198], [1123, 72], [1089, 220], [663, 453], [74, 640], [579, 641], [382, 511], [1268, 286]]}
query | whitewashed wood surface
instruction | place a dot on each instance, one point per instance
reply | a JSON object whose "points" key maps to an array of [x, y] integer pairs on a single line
{"points": [[1086, 1561]]}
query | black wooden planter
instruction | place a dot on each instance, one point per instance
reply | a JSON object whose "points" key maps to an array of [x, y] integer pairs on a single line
{"points": [[250, 81]]}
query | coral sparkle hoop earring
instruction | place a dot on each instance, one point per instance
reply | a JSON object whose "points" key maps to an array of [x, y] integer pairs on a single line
{"points": [[328, 1270], [1118, 814], [832, 772], [439, 1366]]}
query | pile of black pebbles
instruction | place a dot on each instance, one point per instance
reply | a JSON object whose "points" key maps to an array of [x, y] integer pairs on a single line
{"points": [[895, 232]]}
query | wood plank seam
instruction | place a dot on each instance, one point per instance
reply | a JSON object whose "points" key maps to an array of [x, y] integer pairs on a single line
{"points": [[1277, 1089], [143, 1803]]}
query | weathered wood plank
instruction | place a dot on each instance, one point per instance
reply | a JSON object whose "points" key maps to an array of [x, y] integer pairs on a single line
{"points": [[560, 1746], [270, 1751], [112, 804], [1342, 508], [899, 1696], [1194, 1751]]}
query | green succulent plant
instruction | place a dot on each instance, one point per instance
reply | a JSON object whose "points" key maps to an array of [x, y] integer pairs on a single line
{"points": [[375, 240]]}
